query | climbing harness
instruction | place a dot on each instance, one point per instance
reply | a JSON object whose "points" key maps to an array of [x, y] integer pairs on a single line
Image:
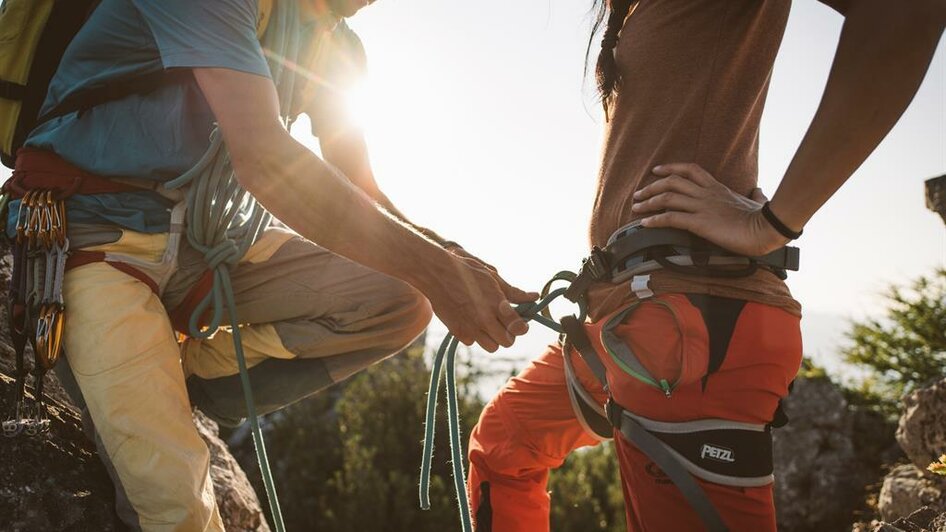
{"points": [[718, 450], [41, 257]]}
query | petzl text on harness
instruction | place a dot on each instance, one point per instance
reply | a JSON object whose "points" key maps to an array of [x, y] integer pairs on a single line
{"points": [[718, 450]]}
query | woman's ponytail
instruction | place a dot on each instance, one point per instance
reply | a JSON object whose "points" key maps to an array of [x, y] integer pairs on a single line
{"points": [[607, 77]]}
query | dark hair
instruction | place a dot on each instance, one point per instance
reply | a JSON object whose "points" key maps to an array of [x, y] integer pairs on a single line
{"points": [[607, 77]]}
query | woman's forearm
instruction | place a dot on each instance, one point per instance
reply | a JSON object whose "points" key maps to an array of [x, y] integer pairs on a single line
{"points": [[883, 54]]}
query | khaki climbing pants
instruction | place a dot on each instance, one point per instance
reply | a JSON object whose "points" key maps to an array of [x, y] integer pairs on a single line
{"points": [[309, 318]]}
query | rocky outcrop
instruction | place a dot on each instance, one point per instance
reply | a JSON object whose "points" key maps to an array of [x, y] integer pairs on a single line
{"points": [[923, 520], [922, 435], [54, 481], [57, 482], [922, 430], [824, 458], [907, 488], [239, 506]]}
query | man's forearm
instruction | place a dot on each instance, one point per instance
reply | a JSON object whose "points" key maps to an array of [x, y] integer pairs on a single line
{"points": [[346, 149], [322, 205], [387, 205], [882, 57]]}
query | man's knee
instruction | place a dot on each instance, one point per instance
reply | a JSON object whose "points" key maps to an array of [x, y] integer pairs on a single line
{"points": [[409, 314]]}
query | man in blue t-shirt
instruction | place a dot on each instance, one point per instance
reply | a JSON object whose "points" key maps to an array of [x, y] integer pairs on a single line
{"points": [[311, 314]]}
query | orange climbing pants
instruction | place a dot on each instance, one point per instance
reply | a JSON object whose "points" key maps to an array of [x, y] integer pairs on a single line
{"points": [[729, 359]]}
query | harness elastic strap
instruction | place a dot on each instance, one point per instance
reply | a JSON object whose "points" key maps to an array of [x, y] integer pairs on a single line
{"points": [[579, 339], [590, 413], [81, 258], [720, 315], [44, 170], [651, 446]]}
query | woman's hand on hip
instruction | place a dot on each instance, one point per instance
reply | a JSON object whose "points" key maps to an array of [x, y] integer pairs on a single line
{"points": [[689, 198]]}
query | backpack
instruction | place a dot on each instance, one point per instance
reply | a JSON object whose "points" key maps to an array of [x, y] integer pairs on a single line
{"points": [[34, 35]]}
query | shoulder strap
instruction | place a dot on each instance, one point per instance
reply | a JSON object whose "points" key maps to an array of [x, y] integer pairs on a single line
{"points": [[86, 99], [143, 84]]}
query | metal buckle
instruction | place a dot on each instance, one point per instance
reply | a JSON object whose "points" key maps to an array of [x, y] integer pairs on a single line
{"points": [[597, 264], [614, 412]]}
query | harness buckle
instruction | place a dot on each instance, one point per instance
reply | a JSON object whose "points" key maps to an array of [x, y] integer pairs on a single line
{"points": [[597, 264], [614, 412]]}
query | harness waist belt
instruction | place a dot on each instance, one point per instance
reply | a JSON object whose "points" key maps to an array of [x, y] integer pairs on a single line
{"points": [[661, 246], [44, 170]]}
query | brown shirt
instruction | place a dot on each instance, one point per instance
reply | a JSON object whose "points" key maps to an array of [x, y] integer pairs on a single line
{"points": [[695, 74]]}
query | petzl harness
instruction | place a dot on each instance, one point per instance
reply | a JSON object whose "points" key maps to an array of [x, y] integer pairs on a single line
{"points": [[717, 450]]}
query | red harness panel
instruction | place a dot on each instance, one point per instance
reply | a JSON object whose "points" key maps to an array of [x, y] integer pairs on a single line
{"points": [[44, 170]]}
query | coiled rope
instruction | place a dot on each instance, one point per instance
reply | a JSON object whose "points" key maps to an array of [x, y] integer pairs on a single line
{"points": [[445, 359], [224, 220]]}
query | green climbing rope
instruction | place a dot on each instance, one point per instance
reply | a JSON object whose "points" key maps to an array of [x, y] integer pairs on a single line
{"points": [[224, 220], [445, 360]]}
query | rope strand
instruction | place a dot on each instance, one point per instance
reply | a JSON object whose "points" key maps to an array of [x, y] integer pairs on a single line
{"points": [[224, 220], [446, 355]]}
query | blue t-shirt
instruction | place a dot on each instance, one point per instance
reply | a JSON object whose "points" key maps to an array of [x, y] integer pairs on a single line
{"points": [[157, 135]]}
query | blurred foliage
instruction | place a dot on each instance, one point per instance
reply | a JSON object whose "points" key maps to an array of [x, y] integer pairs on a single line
{"points": [[348, 458], [810, 370], [905, 349], [939, 467], [586, 492]]}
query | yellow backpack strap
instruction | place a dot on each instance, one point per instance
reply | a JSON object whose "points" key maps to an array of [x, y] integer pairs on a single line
{"points": [[264, 10]]}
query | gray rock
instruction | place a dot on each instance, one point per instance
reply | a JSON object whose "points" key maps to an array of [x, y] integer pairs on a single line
{"points": [[923, 520], [239, 506], [56, 481], [907, 488], [939, 523], [815, 484], [922, 430]]}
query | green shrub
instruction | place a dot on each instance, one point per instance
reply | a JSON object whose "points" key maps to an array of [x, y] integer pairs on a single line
{"points": [[906, 348]]}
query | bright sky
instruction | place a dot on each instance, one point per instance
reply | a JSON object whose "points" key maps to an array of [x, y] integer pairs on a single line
{"points": [[480, 127]]}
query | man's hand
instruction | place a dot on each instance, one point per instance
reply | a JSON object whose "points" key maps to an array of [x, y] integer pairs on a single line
{"points": [[472, 300], [514, 294], [689, 198]]}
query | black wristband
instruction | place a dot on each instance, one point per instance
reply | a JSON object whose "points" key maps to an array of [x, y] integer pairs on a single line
{"points": [[773, 220]]}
